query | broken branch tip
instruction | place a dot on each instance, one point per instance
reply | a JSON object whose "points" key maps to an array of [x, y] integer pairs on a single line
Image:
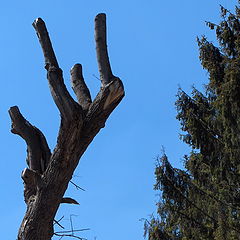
{"points": [[37, 21], [13, 111], [101, 16], [76, 66]]}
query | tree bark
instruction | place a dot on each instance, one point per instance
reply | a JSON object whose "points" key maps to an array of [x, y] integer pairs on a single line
{"points": [[48, 174]]}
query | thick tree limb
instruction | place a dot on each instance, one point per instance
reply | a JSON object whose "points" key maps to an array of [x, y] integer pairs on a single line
{"points": [[37, 148], [61, 96], [42, 33], [38, 152], [101, 49], [79, 87]]}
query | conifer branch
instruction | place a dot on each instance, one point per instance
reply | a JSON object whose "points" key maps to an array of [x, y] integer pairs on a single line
{"points": [[192, 203]]}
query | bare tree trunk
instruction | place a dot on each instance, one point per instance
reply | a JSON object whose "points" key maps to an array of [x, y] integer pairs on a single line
{"points": [[48, 174]]}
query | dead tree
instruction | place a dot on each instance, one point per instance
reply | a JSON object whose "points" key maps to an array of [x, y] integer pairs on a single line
{"points": [[48, 174]]}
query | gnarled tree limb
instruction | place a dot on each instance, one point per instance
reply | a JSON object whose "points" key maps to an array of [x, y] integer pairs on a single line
{"points": [[38, 151]]}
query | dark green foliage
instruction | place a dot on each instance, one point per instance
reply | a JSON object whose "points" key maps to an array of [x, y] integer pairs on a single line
{"points": [[203, 202]]}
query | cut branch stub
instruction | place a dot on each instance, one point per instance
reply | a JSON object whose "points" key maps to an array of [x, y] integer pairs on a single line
{"points": [[101, 49], [32, 182], [79, 87], [37, 148], [69, 200], [42, 33]]}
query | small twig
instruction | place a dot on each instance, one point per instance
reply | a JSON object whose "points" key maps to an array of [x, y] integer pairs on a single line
{"points": [[211, 25], [96, 77], [145, 220], [65, 233], [69, 231], [71, 223], [225, 10], [77, 186], [56, 222], [76, 175], [69, 235], [61, 219]]}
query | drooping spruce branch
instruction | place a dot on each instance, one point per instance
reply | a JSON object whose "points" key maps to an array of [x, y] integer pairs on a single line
{"points": [[47, 176]]}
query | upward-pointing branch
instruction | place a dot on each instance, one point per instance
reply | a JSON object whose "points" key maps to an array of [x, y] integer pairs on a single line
{"points": [[101, 49], [65, 103], [42, 33], [79, 87]]}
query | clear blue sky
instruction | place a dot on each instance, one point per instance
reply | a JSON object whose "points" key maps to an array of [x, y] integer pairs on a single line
{"points": [[153, 49]]}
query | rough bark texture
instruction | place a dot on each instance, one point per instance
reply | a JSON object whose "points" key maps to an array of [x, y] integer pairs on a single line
{"points": [[48, 174]]}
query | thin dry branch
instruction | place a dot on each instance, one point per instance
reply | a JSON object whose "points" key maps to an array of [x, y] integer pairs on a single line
{"points": [[77, 187], [69, 235], [70, 231], [57, 222]]}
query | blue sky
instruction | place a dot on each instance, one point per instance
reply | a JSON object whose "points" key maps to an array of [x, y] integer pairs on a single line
{"points": [[152, 47]]}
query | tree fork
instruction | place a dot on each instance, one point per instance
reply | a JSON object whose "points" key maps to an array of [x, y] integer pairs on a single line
{"points": [[48, 174]]}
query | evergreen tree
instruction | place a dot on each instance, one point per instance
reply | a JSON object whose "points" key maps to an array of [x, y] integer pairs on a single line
{"points": [[203, 202]]}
